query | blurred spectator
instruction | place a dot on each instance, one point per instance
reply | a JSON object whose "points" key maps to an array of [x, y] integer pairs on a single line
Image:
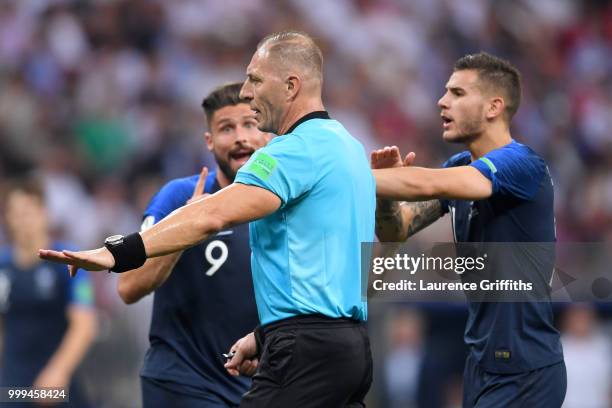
{"points": [[404, 357], [588, 358]]}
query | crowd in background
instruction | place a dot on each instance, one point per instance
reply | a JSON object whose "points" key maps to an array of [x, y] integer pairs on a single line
{"points": [[102, 99]]}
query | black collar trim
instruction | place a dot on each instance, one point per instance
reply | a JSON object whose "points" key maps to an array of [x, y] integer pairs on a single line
{"points": [[311, 115]]}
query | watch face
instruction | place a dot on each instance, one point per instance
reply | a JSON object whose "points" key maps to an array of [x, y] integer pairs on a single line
{"points": [[114, 240]]}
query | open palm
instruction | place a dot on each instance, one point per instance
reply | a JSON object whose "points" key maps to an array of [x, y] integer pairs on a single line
{"points": [[389, 157], [94, 260]]}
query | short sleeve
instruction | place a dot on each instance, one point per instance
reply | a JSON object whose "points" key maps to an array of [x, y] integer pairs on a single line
{"points": [[81, 290], [514, 171], [284, 168], [171, 196]]}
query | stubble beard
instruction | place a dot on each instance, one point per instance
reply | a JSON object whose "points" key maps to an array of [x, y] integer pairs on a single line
{"points": [[468, 132]]}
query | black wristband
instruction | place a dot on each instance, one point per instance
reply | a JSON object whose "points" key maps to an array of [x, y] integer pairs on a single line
{"points": [[129, 252]]}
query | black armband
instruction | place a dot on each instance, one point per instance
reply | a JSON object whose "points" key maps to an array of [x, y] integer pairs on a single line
{"points": [[129, 251]]}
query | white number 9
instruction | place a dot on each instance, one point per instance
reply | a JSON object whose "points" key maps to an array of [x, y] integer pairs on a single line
{"points": [[215, 263]]}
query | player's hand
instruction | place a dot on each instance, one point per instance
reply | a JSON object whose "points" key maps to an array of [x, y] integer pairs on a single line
{"points": [[95, 260], [198, 191], [51, 377], [245, 359], [389, 157]]}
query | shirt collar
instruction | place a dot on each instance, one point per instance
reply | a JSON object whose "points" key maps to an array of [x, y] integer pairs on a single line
{"points": [[308, 116]]}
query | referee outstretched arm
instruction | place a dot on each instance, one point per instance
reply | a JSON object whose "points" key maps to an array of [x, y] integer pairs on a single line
{"points": [[193, 223]]}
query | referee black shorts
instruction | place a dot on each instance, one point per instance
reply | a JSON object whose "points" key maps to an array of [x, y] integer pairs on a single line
{"points": [[312, 361]]}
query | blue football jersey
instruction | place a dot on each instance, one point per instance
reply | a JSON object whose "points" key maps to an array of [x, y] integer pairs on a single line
{"points": [[33, 304], [509, 337], [205, 305]]}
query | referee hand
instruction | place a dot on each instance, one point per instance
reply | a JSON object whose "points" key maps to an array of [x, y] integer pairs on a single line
{"points": [[95, 260], [389, 157], [245, 359]]}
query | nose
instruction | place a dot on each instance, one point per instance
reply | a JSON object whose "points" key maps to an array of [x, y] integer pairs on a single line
{"points": [[246, 92], [242, 135], [442, 102]]}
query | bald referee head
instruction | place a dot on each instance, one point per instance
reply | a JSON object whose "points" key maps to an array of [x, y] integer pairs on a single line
{"points": [[284, 80]]}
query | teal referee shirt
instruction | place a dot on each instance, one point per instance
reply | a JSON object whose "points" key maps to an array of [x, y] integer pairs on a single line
{"points": [[306, 256]]}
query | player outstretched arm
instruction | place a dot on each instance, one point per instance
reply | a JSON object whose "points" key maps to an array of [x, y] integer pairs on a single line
{"points": [[421, 184], [185, 227], [396, 179]]}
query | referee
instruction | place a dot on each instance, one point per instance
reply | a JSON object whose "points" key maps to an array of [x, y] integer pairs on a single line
{"points": [[312, 195]]}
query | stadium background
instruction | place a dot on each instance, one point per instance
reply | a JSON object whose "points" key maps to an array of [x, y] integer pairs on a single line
{"points": [[102, 99]]}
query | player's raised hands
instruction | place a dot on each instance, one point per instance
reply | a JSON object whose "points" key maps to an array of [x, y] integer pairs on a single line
{"points": [[198, 191], [95, 260], [389, 157]]}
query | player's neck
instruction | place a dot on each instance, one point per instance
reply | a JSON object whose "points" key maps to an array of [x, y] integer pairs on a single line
{"points": [[493, 138], [222, 179], [298, 111], [26, 250]]}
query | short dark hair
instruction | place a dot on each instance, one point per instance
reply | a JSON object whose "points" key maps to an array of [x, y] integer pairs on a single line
{"points": [[28, 184], [222, 96], [496, 73]]}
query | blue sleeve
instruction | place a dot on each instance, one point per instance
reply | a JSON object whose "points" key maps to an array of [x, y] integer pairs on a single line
{"points": [[284, 168], [172, 196], [459, 159], [81, 290], [514, 171]]}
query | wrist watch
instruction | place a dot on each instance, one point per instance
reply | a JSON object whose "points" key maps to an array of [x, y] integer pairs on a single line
{"points": [[113, 241]]}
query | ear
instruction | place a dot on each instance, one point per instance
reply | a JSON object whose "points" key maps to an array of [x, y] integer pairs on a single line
{"points": [[294, 85], [496, 107], [209, 141]]}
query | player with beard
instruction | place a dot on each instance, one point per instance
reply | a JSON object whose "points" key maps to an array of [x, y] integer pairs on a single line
{"points": [[498, 190], [203, 295]]}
